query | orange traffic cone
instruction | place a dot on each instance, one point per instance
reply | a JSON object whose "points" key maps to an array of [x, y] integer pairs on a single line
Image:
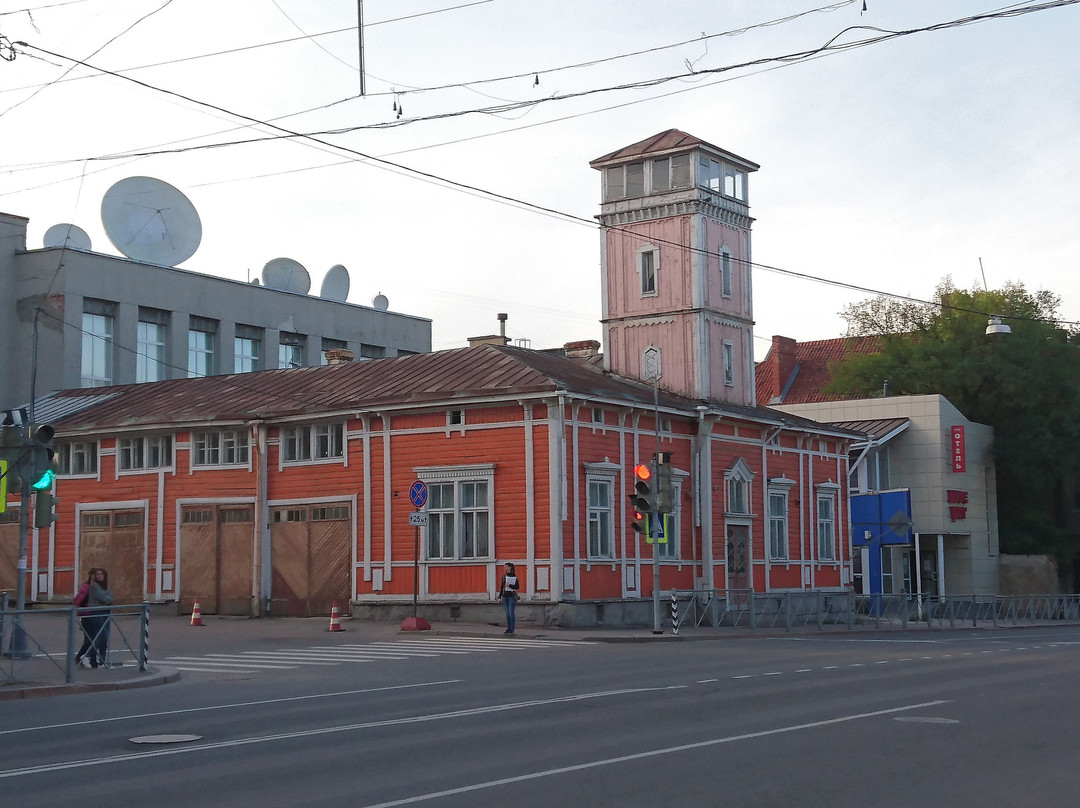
{"points": [[335, 622], [196, 615]]}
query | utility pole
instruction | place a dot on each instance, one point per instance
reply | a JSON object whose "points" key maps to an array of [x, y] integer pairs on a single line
{"points": [[652, 371]]}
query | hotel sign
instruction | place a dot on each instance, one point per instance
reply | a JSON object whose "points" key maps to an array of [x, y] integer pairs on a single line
{"points": [[959, 454]]}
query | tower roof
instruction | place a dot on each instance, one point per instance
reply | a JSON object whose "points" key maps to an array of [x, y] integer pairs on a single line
{"points": [[670, 140]]}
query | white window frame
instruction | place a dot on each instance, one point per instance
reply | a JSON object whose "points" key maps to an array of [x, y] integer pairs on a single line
{"points": [[97, 349], [726, 273], [601, 515], [201, 353], [150, 355], [310, 443], [648, 269], [144, 453], [737, 486], [215, 448], [77, 459], [826, 535], [246, 354], [727, 350], [458, 515]]}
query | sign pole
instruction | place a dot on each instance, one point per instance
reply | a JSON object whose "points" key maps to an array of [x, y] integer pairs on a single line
{"points": [[418, 494]]}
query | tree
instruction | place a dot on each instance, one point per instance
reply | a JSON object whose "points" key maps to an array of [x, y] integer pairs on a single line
{"points": [[1026, 385]]}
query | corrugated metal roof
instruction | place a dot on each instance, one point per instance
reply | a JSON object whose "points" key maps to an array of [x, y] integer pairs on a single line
{"points": [[880, 429], [669, 140], [443, 378]]}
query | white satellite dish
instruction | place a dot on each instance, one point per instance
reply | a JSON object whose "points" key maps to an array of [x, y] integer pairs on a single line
{"points": [[380, 302], [335, 284], [148, 220], [287, 275], [68, 236]]}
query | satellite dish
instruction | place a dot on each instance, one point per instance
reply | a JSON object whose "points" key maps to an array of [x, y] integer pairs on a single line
{"points": [[380, 302], [335, 284], [68, 236], [287, 275], [149, 220]]}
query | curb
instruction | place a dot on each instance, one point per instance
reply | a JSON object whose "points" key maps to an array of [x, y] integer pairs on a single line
{"points": [[152, 678]]}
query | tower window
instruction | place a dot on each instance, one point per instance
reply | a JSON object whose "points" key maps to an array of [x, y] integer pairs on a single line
{"points": [[725, 274], [648, 259], [635, 179]]}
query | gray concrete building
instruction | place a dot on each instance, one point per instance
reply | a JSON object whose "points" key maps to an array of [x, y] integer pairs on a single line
{"points": [[102, 320]]}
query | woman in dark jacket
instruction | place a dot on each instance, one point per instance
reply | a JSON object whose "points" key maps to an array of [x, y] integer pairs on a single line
{"points": [[93, 600], [508, 592]]}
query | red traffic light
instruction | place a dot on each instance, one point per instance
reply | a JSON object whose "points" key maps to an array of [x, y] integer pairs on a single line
{"points": [[642, 472]]}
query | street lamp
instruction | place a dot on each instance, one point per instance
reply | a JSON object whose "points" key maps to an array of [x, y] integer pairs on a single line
{"points": [[995, 326]]}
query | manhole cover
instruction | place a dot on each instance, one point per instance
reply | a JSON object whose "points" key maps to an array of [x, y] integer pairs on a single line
{"points": [[165, 738], [915, 719]]}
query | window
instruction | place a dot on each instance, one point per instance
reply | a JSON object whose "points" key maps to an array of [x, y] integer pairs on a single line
{"points": [[601, 518], [202, 335], [247, 349], [615, 182], [225, 447], [725, 274], [317, 442], [141, 453], [372, 351], [648, 261], [455, 418], [150, 350], [661, 174], [778, 525], [97, 343], [737, 482], [635, 179], [729, 364], [329, 344], [290, 350], [737, 498], [76, 458], [826, 527], [721, 178], [459, 519]]}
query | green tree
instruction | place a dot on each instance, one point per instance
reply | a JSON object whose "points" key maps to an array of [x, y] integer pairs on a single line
{"points": [[1026, 385]]}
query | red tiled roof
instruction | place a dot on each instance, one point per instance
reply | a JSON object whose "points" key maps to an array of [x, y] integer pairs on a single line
{"points": [[811, 371]]}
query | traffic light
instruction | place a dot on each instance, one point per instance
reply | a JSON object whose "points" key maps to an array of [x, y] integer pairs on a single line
{"points": [[643, 500], [37, 468], [44, 515], [665, 488]]}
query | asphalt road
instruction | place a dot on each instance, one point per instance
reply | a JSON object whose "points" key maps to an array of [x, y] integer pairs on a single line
{"points": [[952, 718]]}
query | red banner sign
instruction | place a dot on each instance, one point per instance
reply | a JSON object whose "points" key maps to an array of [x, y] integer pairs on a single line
{"points": [[959, 454]]}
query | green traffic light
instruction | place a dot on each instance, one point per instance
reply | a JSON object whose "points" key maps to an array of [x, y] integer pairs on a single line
{"points": [[45, 481]]}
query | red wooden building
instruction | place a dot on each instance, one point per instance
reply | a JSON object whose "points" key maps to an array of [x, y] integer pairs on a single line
{"points": [[281, 492]]}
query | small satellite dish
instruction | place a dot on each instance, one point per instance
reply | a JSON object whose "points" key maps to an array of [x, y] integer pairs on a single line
{"points": [[68, 236], [287, 275], [335, 284], [148, 220], [254, 281], [380, 302]]}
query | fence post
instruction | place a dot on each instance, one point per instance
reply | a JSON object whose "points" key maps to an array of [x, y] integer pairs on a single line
{"points": [[753, 612], [823, 604], [73, 637], [144, 635], [952, 612], [787, 611], [974, 611]]}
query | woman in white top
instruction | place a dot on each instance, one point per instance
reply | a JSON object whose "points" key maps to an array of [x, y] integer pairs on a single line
{"points": [[508, 592]]}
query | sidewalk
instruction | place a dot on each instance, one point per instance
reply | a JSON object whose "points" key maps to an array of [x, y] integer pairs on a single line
{"points": [[174, 636]]}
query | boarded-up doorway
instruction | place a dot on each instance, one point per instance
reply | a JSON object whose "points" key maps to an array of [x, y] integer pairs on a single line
{"points": [[9, 551], [311, 550], [114, 540], [217, 558]]}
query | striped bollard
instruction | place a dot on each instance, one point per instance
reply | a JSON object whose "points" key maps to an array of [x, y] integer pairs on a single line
{"points": [[674, 613]]}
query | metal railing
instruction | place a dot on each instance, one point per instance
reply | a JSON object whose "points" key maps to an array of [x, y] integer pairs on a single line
{"points": [[744, 608], [39, 644]]}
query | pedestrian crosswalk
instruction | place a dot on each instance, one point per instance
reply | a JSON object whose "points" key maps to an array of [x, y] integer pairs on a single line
{"points": [[355, 653]]}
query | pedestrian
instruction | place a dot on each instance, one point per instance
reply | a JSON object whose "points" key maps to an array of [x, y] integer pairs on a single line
{"points": [[94, 600], [508, 593]]}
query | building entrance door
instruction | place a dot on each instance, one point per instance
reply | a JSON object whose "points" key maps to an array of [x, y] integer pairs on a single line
{"points": [[738, 557]]}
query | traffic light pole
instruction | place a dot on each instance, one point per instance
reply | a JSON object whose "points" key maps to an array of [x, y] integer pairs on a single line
{"points": [[18, 634], [657, 628]]}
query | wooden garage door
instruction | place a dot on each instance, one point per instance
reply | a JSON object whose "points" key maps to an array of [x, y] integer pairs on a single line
{"points": [[9, 551], [115, 541], [217, 551], [312, 559]]}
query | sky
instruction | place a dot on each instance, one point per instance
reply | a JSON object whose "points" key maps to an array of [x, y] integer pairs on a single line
{"points": [[457, 184]]}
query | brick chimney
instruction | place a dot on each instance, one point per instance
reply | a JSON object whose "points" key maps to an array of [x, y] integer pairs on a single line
{"points": [[778, 367], [582, 349]]}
